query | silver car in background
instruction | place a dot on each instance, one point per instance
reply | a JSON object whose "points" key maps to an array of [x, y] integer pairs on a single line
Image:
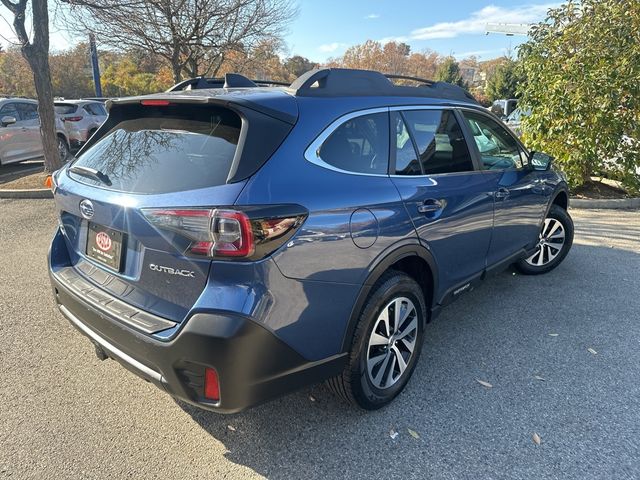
{"points": [[514, 120], [20, 137], [81, 118]]}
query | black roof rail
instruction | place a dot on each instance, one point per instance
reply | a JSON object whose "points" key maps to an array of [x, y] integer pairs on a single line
{"points": [[424, 81], [230, 80], [342, 82]]}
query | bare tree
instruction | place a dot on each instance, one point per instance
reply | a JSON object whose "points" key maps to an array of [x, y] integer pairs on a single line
{"points": [[193, 36], [36, 52]]}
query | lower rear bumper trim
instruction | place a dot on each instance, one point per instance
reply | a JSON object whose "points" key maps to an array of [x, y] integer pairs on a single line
{"points": [[111, 349]]}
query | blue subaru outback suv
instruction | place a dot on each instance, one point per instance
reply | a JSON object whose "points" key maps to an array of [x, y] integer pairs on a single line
{"points": [[233, 244]]}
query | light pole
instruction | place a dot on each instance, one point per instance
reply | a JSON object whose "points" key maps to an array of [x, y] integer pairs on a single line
{"points": [[508, 29], [95, 67]]}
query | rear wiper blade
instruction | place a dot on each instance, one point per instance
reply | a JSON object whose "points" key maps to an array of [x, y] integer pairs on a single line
{"points": [[90, 173]]}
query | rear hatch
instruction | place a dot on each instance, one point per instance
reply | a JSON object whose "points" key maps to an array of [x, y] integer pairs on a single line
{"points": [[156, 169]]}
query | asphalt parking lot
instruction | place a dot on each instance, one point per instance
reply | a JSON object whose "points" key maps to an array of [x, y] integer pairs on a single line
{"points": [[65, 414]]}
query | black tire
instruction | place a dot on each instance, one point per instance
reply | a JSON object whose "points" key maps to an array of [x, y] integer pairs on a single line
{"points": [[63, 149], [560, 214], [354, 384]]}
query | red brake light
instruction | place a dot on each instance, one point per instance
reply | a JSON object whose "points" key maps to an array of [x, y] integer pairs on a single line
{"points": [[211, 385], [72, 119], [155, 103], [213, 232]]}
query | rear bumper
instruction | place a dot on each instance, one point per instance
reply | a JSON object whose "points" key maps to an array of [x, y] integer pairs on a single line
{"points": [[253, 365]]}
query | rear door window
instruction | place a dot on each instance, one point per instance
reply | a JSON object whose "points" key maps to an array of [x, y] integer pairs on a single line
{"points": [[359, 145], [184, 149], [438, 137], [407, 162]]}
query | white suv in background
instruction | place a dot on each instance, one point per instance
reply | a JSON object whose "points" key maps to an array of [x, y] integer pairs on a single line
{"points": [[81, 118], [20, 137]]}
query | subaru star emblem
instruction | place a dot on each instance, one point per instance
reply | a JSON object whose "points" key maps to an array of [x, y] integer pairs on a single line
{"points": [[86, 209]]}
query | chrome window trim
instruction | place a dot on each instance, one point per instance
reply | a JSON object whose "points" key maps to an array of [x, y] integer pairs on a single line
{"points": [[311, 154]]}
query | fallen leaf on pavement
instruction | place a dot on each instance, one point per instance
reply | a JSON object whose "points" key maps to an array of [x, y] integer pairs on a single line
{"points": [[231, 427], [413, 433], [393, 434], [591, 350], [484, 384], [536, 439], [538, 377]]}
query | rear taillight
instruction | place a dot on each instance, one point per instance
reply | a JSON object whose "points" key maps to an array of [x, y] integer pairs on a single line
{"points": [[226, 232], [72, 119]]}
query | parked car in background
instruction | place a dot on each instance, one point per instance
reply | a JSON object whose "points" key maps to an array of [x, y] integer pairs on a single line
{"points": [[502, 108], [20, 137], [514, 120], [81, 118]]}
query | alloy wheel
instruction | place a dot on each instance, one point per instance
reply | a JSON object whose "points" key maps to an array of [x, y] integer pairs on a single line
{"points": [[63, 151], [392, 342], [550, 243]]}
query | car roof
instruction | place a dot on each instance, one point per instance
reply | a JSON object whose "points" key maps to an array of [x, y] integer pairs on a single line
{"points": [[75, 102], [17, 99]]}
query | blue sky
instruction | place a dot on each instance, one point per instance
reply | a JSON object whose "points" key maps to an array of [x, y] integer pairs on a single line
{"points": [[327, 28]]}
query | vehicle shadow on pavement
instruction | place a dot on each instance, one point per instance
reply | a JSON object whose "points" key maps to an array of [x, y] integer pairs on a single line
{"points": [[530, 338]]}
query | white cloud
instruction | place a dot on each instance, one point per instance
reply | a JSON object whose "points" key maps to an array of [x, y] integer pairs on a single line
{"points": [[372, 16], [477, 21], [332, 47], [399, 39]]}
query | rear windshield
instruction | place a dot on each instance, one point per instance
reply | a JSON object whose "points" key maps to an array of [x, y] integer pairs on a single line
{"points": [[65, 108], [186, 149]]}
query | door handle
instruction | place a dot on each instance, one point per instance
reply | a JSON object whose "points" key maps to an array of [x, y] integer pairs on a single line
{"points": [[430, 205], [502, 193]]}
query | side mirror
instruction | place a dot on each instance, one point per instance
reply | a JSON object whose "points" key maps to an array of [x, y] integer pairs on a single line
{"points": [[8, 120], [540, 161]]}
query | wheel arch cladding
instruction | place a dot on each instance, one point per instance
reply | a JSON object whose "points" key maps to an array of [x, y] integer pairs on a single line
{"points": [[414, 260], [561, 199]]}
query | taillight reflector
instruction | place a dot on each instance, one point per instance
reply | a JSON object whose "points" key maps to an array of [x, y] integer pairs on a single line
{"points": [[72, 119], [211, 385]]}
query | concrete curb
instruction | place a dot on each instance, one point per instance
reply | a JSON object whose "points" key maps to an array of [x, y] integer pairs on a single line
{"points": [[612, 203], [27, 193]]}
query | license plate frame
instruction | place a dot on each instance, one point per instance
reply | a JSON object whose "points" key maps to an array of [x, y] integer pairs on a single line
{"points": [[105, 246]]}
